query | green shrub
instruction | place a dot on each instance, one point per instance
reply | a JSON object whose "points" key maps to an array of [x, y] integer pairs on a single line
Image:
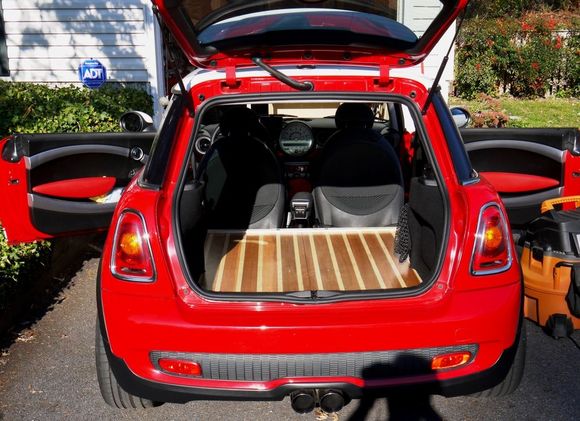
{"points": [[16, 262], [527, 56], [13, 259], [32, 108]]}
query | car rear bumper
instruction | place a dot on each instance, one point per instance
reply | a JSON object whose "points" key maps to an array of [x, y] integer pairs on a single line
{"points": [[486, 320], [167, 392]]}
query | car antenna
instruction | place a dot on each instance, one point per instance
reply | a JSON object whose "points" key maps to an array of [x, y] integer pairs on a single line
{"points": [[435, 86], [173, 59]]}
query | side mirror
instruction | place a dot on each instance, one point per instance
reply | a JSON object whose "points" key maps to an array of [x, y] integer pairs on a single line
{"points": [[136, 121], [461, 117]]}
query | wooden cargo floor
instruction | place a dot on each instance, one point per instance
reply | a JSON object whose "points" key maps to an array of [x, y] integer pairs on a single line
{"points": [[291, 260]]}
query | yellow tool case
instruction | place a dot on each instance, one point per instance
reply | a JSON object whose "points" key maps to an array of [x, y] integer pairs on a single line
{"points": [[551, 268]]}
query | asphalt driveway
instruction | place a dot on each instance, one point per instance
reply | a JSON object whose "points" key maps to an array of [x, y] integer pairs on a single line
{"points": [[48, 373]]}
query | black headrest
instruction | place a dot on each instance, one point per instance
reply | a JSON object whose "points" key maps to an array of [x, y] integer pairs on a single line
{"points": [[359, 116], [239, 121]]}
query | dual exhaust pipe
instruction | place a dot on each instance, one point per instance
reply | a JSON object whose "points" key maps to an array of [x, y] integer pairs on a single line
{"points": [[330, 401]]}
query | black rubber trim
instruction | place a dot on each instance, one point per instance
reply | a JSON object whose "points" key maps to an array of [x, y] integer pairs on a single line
{"points": [[156, 166], [563, 139], [461, 162], [323, 297], [34, 144]]}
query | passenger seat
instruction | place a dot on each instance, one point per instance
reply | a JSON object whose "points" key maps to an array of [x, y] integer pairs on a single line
{"points": [[358, 180]]}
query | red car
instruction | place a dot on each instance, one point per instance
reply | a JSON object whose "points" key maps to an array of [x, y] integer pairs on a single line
{"points": [[307, 221]]}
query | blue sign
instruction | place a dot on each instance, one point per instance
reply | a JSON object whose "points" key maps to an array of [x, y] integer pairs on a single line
{"points": [[92, 74]]}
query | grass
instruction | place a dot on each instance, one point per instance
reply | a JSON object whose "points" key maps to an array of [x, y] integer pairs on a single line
{"points": [[553, 112]]}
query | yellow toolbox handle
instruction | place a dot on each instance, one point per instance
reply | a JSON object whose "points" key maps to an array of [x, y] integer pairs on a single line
{"points": [[548, 205]]}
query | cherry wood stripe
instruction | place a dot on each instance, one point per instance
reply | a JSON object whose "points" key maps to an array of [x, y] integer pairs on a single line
{"points": [[364, 265], [353, 262], [335, 265], [315, 263], [297, 263], [372, 261], [384, 241], [290, 264], [260, 280], [279, 277], [248, 280], [222, 265], [270, 264]]}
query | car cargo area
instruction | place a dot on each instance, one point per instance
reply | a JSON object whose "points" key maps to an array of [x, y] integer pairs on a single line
{"points": [[295, 260], [299, 198]]}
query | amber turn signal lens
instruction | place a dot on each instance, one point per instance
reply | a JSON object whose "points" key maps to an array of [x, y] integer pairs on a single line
{"points": [[493, 238], [454, 360], [181, 367], [130, 244]]}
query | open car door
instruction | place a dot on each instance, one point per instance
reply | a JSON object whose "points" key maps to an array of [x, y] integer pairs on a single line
{"points": [[57, 184], [526, 166]]}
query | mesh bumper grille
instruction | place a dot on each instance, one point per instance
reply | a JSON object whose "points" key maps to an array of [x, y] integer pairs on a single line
{"points": [[267, 367]]}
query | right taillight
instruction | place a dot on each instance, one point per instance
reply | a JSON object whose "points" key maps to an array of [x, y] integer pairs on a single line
{"points": [[492, 253]]}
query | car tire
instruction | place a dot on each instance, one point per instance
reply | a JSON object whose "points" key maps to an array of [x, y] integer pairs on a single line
{"points": [[514, 376], [112, 392]]}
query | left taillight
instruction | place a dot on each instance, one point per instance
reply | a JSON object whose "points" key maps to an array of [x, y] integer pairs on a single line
{"points": [[131, 259], [492, 252]]}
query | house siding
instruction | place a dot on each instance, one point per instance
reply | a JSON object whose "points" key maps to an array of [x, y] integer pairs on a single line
{"points": [[47, 40], [417, 15]]}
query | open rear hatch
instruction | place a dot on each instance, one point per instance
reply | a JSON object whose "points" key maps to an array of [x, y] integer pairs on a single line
{"points": [[219, 33], [291, 211]]}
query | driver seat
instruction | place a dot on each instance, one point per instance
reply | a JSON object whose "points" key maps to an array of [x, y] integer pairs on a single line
{"points": [[243, 180]]}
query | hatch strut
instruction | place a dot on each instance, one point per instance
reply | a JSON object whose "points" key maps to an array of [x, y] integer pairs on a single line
{"points": [[443, 65], [188, 100], [299, 86]]}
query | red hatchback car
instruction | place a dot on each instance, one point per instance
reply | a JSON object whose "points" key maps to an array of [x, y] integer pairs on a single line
{"points": [[307, 221]]}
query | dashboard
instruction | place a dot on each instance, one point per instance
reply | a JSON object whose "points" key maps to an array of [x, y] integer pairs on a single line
{"points": [[289, 137]]}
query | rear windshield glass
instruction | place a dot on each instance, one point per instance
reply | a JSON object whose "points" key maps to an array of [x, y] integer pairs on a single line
{"points": [[388, 21]]}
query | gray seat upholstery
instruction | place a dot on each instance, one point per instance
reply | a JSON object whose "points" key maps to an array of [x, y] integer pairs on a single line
{"points": [[358, 180], [243, 181]]}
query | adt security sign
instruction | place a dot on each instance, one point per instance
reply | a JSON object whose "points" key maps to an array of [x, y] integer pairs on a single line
{"points": [[92, 73]]}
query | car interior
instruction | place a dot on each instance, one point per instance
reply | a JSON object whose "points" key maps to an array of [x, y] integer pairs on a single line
{"points": [[306, 198]]}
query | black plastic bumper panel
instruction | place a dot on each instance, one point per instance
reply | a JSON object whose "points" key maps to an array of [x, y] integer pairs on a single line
{"points": [[268, 367]]}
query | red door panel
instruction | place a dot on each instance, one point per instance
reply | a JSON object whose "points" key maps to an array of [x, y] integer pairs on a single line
{"points": [[527, 166], [54, 185], [510, 182]]}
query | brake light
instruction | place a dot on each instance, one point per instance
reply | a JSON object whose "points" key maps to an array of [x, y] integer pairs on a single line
{"points": [[442, 362], [181, 367], [131, 259], [492, 253]]}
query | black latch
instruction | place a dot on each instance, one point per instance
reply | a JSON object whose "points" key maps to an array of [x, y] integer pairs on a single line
{"points": [[12, 151]]}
